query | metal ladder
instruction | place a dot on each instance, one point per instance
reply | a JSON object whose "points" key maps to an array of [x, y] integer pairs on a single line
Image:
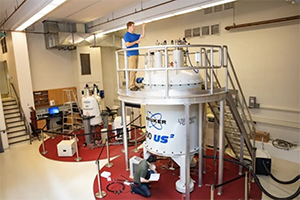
{"points": [[72, 119], [238, 123]]}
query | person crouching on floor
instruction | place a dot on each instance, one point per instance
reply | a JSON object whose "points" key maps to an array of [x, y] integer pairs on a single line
{"points": [[143, 171]]}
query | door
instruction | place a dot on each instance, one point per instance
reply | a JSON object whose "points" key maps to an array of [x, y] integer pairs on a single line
{"points": [[4, 82]]}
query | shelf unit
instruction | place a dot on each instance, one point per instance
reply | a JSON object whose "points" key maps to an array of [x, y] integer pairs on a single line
{"points": [[41, 99]]}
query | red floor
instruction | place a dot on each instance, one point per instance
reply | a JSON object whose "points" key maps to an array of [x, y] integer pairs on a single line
{"points": [[165, 187], [85, 152]]}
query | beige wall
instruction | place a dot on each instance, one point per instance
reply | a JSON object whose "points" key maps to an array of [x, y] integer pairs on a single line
{"points": [[3, 79], [49, 68], [10, 60], [96, 69], [110, 76]]}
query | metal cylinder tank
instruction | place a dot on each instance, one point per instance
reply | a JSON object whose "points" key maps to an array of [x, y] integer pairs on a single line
{"points": [[165, 126]]}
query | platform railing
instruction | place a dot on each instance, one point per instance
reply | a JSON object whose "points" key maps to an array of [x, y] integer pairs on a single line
{"points": [[218, 63]]}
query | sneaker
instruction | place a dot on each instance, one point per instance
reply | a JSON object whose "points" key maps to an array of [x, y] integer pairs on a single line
{"points": [[131, 190], [135, 88]]}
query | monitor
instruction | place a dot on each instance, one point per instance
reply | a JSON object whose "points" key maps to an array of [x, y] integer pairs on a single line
{"points": [[53, 110]]}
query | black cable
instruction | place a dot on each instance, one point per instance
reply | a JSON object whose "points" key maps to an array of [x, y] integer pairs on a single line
{"points": [[283, 144], [113, 184], [258, 181], [280, 181]]}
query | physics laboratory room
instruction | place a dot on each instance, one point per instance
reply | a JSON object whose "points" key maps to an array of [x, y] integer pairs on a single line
{"points": [[150, 99]]}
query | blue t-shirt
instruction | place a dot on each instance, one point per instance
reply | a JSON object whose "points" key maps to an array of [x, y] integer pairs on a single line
{"points": [[131, 37]]}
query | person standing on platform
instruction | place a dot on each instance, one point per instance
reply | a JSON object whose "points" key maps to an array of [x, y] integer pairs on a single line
{"points": [[143, 171], [132, 40]]}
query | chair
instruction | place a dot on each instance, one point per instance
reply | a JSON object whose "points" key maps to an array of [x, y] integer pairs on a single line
{"points": [[35, 132]]}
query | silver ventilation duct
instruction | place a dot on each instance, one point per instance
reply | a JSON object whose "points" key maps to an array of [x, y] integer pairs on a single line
{"points": [[67, 36]]}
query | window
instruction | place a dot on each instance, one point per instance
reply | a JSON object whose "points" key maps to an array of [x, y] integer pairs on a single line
{"points": [[3, 45], [85, 64], [215, 29]]}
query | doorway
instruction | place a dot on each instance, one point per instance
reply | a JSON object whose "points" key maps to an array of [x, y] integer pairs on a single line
{"points": [[4, 80]]}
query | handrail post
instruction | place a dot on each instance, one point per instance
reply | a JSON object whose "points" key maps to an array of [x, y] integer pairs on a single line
{"points": [[109, 164], [211, 71], [100, 194], [76, 148], [43, 144]]}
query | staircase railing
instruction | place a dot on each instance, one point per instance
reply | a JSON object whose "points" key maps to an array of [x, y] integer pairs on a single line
{"points": [[23, 117], [247, 115], [228, 63]]}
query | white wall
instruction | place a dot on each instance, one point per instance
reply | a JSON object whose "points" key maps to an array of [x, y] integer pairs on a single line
{"points": [[266, 58], [49, 68], [23, 72]]}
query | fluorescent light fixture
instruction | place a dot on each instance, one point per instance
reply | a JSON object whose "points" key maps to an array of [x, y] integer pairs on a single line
{"points": [[187, 11], [51, 6], [216, 3]]}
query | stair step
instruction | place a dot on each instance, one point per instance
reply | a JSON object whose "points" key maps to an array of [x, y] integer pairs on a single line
{"points": [[15, 125], [12, 119], [17, 136], [19, 128], [15, 111], [15, 133], [7, 100], [12, 115], [16, 121], [18, 141]]}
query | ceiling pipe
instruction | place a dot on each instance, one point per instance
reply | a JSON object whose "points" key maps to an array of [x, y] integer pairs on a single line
{"points": [[284, 19], [16, 9], [131, 14]]}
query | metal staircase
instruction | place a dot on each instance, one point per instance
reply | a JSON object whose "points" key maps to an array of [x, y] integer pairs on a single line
{"points": [[238, 123], [72, 119]]}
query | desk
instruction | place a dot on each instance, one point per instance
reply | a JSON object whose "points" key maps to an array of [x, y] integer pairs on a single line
{"points": [[50, 120]]}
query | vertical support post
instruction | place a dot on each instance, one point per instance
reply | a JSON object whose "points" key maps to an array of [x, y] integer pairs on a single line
{"points": [[215, 141], [221, 146], [135, 150], [211, 71], [241, 154], [254, 161], [212, 187], [100, 194], [204, 137], [76, 148], [43, 143], [187, 151], [200, 164], [109, 164], [246, 186], [125, 141]]}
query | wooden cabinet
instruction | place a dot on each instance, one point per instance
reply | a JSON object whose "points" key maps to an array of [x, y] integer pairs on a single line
{"points": [[41, 99]]}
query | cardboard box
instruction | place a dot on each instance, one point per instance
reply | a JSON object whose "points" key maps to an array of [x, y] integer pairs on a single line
{"points": [[261, 135]]}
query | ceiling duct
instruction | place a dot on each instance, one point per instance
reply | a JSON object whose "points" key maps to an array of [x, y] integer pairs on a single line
{"points": [[66, 36]]}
